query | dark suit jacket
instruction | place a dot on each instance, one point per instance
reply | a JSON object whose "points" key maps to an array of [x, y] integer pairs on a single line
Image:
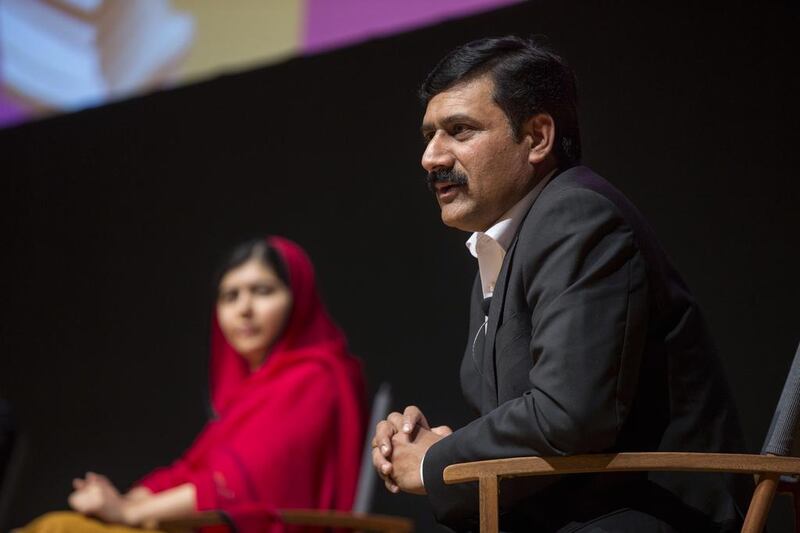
{"points": [[593, 344]]}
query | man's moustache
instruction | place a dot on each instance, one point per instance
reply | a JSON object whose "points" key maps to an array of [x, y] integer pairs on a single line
{"points": [[451, 176]]}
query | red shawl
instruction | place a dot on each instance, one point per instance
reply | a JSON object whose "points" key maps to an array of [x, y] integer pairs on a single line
{"points": [[288, 435]]}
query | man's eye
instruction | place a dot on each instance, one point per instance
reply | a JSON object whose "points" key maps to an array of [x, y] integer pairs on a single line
{"points": [[459, 129]]}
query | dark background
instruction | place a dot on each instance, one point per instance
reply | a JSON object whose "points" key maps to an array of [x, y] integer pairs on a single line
{"points": [[112, 219]]}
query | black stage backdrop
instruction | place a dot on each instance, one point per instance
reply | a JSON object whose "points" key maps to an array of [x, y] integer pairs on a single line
{"points": [[113, 218]]}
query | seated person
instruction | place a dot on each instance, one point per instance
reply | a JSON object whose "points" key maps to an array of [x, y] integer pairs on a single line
{"points": [[289, 403]]}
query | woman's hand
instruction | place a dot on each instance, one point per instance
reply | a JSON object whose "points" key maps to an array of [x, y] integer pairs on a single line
{"points": [[97, 496], [137, 494]]}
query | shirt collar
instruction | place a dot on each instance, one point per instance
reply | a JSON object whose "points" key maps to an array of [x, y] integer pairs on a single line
{"points": [[504, 229]]}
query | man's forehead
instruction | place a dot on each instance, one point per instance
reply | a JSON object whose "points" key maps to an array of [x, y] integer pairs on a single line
{"points": [[463, 98]]}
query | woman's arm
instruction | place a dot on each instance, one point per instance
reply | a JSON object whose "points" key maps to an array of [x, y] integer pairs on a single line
{"points": [[138, 493], [97, 496], [149, 510]]}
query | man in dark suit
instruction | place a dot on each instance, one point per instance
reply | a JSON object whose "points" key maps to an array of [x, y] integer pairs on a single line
{"points": [[583, 338]]}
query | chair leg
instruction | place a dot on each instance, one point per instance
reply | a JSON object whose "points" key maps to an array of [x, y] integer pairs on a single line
{"points": [[760, 504], [487, 487]]}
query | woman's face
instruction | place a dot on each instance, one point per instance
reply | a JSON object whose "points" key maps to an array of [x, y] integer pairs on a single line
{"points": [[252, 307]]}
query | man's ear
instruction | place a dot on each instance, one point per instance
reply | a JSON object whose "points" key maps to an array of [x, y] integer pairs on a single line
{"points": [[540, 131]]}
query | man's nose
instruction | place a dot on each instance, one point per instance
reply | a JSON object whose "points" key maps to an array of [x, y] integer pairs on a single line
{"points": [[436, 155]]}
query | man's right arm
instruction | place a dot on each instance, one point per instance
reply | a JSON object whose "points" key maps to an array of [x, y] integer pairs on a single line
{"points": [[587, 292]]}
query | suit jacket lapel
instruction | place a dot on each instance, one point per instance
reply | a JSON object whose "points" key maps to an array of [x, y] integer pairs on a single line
{"points": [[495, 315], [488, 365]]}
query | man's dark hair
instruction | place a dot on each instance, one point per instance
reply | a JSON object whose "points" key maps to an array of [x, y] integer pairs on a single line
{"points": [[528, 79]]}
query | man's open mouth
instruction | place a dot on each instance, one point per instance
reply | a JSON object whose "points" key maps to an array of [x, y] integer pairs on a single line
{"points": [[447, 190]]}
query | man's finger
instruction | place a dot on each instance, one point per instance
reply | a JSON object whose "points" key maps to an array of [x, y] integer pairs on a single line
{"points": [[384, 469], [413, 416], [396, 420], [377, 458], [383, 437], [442, 431], [391, 487], [380, 463]]}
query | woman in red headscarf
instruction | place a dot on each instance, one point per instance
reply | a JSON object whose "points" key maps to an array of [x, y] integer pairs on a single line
{"points": [[289, 403]]}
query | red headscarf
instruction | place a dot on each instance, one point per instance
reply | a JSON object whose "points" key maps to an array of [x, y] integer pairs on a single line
{"points": [[289, 435]]}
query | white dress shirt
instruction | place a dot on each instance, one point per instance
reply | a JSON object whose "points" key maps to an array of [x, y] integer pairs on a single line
{"points": [[490, 247]]}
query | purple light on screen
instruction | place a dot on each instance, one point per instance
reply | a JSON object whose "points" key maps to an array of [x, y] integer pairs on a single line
{"points": [[10, 112], [334, 23]]}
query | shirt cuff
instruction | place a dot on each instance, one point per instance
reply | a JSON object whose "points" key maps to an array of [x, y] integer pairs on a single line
{"points": [[421, 476]]}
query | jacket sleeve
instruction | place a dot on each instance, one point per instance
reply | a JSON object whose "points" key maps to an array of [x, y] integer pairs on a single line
{"points": [[586, 291]]}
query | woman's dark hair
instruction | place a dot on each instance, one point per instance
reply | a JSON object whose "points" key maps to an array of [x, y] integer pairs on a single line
{"points": [[253, 249], [528, 79]]}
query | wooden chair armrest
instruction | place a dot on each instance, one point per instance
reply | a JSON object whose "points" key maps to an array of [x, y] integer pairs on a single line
{"points": [[193, 521], [356, 521], [488, 474], [622, 462], [306, 517]]}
